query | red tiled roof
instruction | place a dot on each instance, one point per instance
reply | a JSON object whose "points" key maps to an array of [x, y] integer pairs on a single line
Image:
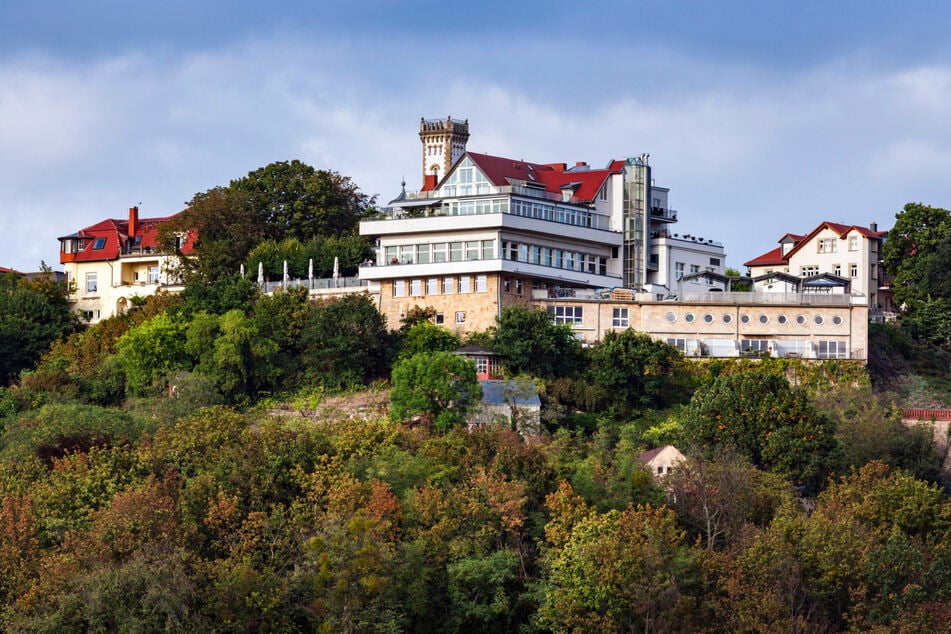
{"points": [[585, 183], [776, 257], [773, 257], [115, 233], [4, 269]]}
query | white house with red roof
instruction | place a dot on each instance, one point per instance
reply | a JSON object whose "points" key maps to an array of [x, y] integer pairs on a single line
{"points": [[506, 231], [832, 258], [110, 263]]}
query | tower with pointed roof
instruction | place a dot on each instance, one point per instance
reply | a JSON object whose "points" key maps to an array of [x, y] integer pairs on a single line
{"points": [[444, 142]]}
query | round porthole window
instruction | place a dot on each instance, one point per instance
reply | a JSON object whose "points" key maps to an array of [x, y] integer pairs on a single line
{"points": [[708, 318], [837, 320], [763, 319], [818, 319], [745, 319], [728, 319], [688, 318], [671, 317], [801, 319], [781, 319]]}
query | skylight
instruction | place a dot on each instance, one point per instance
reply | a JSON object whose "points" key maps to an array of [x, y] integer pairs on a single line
{"points": [[99, 244]]}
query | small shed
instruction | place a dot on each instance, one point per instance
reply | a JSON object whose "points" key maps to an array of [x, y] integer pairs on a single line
{"points": [[487, 361], [660, 461], [514, 404]]}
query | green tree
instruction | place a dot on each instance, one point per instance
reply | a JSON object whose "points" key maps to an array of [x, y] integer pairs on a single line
{"points": [[345, 342], [637, 372], [617, 572], [33, 315], [531, 343], [439, 386], [772, 424], [917, 256], [426, 336], [150, 351], [295, 200]]}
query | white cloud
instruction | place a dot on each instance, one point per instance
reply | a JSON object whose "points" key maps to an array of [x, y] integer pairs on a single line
{"points": [[747, 155]]}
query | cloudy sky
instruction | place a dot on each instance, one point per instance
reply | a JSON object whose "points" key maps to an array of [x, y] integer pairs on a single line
{"points": [[761, 120]]}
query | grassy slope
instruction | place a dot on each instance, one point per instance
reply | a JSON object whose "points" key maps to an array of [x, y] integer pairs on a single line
{"points": [[914, 375]]}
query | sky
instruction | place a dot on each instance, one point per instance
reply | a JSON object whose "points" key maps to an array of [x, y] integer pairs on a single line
{"points": [[763, 118]]}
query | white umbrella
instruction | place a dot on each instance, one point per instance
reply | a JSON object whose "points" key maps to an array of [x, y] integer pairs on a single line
{"points": [[260, 273], [286, 276], [336, 269], [310, 272]]}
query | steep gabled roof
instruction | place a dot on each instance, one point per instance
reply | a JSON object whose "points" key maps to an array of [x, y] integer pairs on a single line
{"points": [[776, 257], [770, 258], [111, 234], [552, 178]]}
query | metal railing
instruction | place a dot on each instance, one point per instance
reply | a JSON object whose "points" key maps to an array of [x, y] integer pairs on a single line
{"points": [[322, 283]]}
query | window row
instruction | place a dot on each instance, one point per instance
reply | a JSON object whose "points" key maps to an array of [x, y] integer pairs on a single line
{"points": [[823, 349], [553, 213], [566, 314], [436, 252], [813, 269], [556, 258], [448, 285], [727, 318]]}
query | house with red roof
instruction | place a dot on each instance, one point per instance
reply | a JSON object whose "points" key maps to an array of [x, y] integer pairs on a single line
{"points": [[114, 261], [487, 231], [832, 258]]}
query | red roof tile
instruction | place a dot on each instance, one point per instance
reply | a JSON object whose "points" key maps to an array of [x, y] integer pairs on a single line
{"points": [[776, 257], [773, 257], [114, 233], [553, 177]]}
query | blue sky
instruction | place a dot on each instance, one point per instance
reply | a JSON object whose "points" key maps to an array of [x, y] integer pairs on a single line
{"points": [[762, 118]]}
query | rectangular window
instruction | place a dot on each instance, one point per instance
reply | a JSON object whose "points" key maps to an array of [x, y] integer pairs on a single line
{"points": [[153, 275], [566, 314], [399, 288], [853, 270], [455, 252], [809, 271], [422, 253], [837, 270], [827, 245], [488, 249], [448, 285], [680, 344], [465, 284], [694, 268], [440, 251], [754, 346], [507, 285], [99, 244], [853, 243], [714, 261], [620, 319], [460, 317], [416, 287], [432, 286], [407, 253], [472, 250], [832, 350], [439, 319], [392, 256], [92, 284], [518, 286], [678, 270], [482, 284]]}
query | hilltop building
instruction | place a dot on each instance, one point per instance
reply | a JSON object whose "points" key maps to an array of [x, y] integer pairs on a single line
{"points": [[833, 258], [504, 231], [116, 260]]}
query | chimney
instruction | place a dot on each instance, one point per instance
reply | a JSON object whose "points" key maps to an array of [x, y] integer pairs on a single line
{"points": [[133, 221], [581, 164], [873, 226]]}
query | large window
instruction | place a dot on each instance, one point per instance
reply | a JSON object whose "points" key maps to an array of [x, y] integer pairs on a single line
{"points": [[92, 284], [620, 319], [153, 275], [482, 283], [432, 286], [827, 245], [399, 288], [755, 346], [832, 350], [416, 287], [809, 270], [566, 314]]}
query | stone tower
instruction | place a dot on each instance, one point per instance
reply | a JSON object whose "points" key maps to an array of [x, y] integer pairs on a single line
{"points": [[444, 142]]}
